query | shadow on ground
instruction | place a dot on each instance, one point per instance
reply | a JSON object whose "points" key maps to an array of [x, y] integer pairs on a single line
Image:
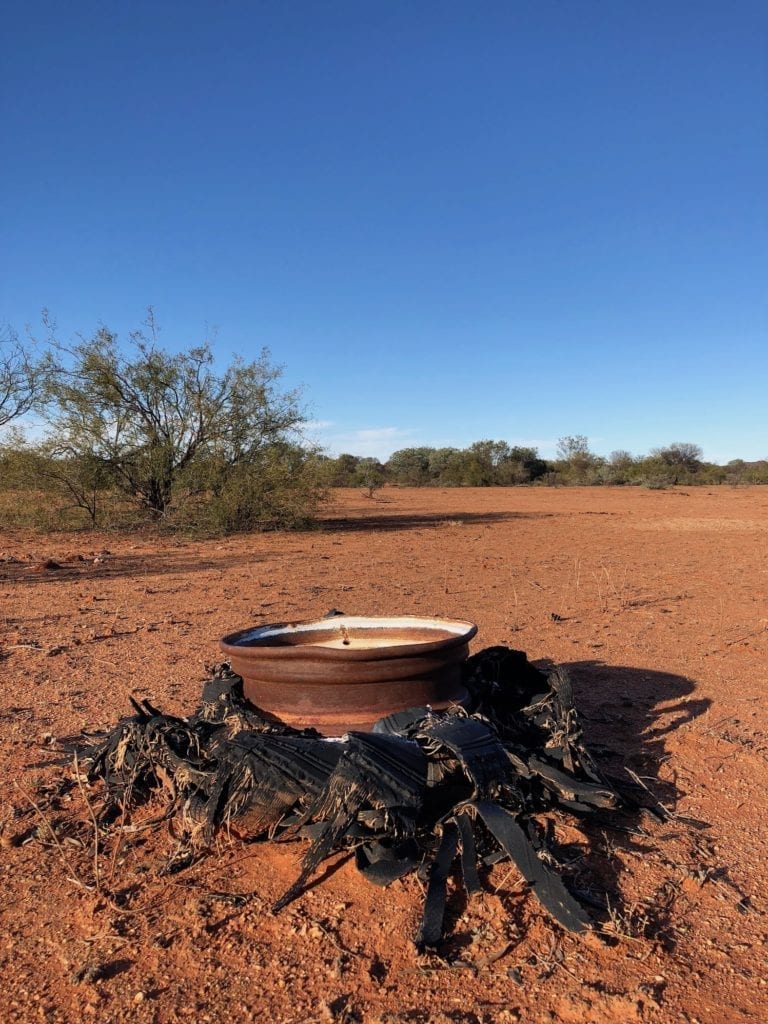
{"points": [[627, 715], [119, 566], [628, 712], [182, 562], [413, 520]]}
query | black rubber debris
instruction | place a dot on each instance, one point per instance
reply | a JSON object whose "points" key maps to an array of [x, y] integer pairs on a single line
{"points": [[442, 794]]}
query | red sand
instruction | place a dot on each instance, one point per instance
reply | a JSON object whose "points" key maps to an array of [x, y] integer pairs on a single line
{"points": [[662, 597]]}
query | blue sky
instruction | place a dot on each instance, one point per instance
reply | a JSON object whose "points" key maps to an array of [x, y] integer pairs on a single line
{"points": [[449, 221]]}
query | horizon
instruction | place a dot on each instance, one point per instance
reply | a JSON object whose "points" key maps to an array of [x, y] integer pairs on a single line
{"points": [[517, 223]]}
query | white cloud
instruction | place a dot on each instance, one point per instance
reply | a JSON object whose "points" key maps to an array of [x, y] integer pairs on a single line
{"points": [[315, 425], [546, 447], [368, 442]]}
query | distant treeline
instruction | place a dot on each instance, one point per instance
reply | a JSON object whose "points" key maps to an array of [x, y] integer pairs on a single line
{"points": [[498, 464], [133, 433]]}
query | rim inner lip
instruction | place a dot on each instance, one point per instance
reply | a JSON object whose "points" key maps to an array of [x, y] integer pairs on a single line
{"points": [[255, 640]]}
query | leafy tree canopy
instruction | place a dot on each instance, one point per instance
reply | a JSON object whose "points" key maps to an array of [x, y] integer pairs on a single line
{"points": [[20, 377], [148, 416]]}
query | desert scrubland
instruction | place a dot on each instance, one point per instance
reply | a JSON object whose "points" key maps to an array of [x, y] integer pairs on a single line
{"points": [[657, 601]]}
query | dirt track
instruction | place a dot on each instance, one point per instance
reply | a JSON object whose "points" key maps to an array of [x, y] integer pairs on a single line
{"points": [[662, 606]]}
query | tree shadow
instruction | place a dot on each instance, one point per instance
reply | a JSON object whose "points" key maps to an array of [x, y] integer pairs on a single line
{"points": [[413, 520], [181, 562], [119, 566]]}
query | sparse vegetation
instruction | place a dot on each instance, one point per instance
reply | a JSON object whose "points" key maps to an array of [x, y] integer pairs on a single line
{"points": [[164, 435], [136, 433]]}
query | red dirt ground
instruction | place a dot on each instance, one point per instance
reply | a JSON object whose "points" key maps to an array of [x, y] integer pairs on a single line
{"points": [[664, 624]]}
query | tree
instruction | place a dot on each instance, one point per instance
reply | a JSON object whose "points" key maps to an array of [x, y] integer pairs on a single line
{"points": [[468, 468], [521, 466], [151, 419], [410, 466], [675, 464], [440, 462], [370, 474], [486, 457], [619, 467], [573, 446], [680, 454], [573, 450], [620, 459], [342, 471], [20, 377]]}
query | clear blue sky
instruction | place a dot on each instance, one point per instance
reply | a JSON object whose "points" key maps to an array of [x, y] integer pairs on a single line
{"points": [[449, 221]]}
